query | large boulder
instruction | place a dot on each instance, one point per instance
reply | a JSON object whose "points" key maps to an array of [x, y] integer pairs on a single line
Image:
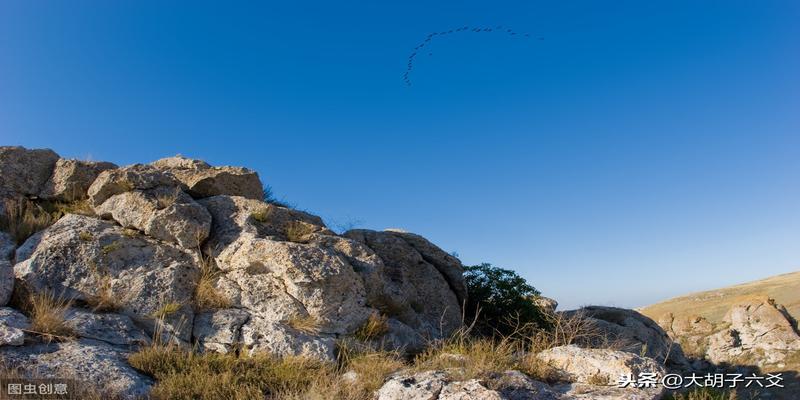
{"points": [[759, 331], [282, 266], [508, 385], [204, 180], [25, 171], [164, 212], [12, 326], [277, 280], [97, 366], [576, 364], [219, 330], [633, 332], [114, 329], [7, 247], [125, 179], [71, 179], [420, 284], [78, 257]]}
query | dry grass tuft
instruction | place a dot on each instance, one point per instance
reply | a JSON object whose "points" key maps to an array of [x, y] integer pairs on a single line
{"points": [[111, 247], [166, 310], [21, 218], [46, 312], [306, 324], [470, 357], [598, 380], [81, 207], [85, 236], [374, 327], [262, 215], [206, 295], [298, 231], [104, 300], [166, 198]]}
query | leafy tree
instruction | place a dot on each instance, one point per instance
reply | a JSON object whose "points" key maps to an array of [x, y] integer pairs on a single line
{"points": [[503, 300]]}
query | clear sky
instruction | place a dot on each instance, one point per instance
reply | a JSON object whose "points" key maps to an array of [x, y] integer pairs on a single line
{"points": [[641, 150]]}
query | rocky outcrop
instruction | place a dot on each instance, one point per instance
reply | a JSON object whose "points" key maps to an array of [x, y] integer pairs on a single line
{"points": [[204, 180], [73, 258], [589, 366], [759, 332], [126, 179], [12, 323], [633, 332], [104, 366], [514, 385], [71, 179], [25, 172], [111, 328], [164, 212], [412, 276], [7, 247]]}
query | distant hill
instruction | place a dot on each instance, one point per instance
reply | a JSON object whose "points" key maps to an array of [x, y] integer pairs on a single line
{"points": [[713, 304]]}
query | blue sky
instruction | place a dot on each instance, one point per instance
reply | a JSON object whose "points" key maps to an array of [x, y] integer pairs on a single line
{"points": [[640, 151]]}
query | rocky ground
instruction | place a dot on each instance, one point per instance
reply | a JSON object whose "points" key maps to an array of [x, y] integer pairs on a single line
{"points": [[100, 261]]}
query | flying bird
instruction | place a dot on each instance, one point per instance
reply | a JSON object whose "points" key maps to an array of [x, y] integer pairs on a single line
{"points": [[429, 38]]}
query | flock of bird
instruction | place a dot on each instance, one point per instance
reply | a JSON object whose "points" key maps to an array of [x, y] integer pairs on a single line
{"points": [[419, 49]]}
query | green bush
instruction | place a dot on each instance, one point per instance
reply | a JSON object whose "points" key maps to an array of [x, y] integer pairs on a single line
{"points": [[502, 300]]}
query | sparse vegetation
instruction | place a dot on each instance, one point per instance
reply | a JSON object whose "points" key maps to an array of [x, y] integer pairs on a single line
{"points": [[110, 248], [598, 380], [105, 300], [269, 197], [703, 394], [183, 374], [21, 218], [373, 328], [298, 231], [206, 295], [46, 313], [166, 198], [262, 215], [305, 323], [60, 208], [166, 310], [500, 301]]}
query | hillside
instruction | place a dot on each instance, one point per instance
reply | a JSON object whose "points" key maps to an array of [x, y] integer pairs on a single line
{"points": [[713, 304]]}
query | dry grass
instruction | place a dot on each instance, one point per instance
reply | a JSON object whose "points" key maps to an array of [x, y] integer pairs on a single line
{"points": [[713, 304], [104, 300], [703, 394], [305, 323], [166, 198], [262, 215], [21, 218], [298, 231], [598, 380], [46, 313], [81, 207], [166, 310], [374, 327], [182, 374], [206, 295], [357, 374], [111, 247]]}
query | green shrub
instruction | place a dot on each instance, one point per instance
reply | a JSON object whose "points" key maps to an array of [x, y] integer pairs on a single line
{"points": [[500, 302]]}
